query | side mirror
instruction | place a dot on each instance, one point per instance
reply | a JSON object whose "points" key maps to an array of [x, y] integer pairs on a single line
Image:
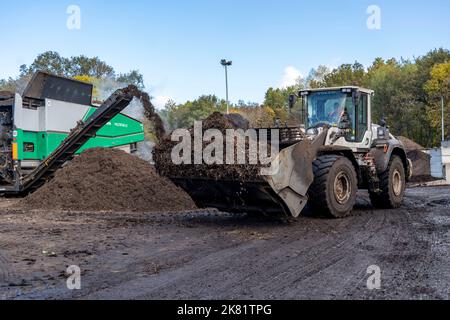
{"points": [[292, 100]]}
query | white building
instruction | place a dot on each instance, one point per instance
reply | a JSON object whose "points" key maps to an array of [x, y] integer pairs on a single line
{"points": [[440, 161], [437, 169]]}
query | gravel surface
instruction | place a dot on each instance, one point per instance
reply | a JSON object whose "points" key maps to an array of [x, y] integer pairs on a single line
{"points": [[213, 255]]}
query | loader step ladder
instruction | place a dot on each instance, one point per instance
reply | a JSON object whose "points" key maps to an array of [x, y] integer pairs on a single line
{"points": [[118, 101]]}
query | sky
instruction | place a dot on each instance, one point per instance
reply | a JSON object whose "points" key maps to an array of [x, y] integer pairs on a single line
{"points": [[177, 45]]}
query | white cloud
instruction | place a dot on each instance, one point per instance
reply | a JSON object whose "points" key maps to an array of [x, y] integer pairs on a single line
{"points": [[290, 77], [160, 101]]}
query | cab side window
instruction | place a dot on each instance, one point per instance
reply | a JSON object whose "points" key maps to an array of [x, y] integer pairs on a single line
{"points": [[362, 117], [358, 120]]}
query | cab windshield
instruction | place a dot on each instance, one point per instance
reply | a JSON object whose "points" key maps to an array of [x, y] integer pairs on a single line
{"points": [[327, 107]]}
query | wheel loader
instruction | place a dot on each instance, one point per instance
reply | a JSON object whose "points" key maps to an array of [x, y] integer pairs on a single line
{"points": [[52, 121], [322, 162]]}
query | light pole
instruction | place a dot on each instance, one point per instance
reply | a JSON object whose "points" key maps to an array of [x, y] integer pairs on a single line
{"points": [[442, 117], [226, 64], [441, 84]]}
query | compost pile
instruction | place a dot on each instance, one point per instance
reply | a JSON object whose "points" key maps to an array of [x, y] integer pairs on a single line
{"points": [[409, 144], [108, 180], [241, 172], [421, 160]]}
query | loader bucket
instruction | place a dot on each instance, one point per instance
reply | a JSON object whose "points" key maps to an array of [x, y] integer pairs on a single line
{"points": [[283, 192], [233, 196]]}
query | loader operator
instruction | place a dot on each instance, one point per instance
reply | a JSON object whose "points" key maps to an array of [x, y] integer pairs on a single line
{"points": [[335, 115]]}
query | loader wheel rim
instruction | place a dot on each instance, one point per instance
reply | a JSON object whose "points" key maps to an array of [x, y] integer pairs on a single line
{"points": [[397, 183], [342, 188]]}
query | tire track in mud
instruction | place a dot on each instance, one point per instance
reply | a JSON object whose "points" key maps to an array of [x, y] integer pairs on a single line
{"points": [[7, 274], [143, 287], [307, 258], [371, 253], [283, 263], [412, 256], [227, 274], [402, 256], [229, 271], [292, 257], [320, 258]]}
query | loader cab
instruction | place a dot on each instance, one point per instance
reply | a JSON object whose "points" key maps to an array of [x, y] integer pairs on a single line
{"points": [[343, 109]]}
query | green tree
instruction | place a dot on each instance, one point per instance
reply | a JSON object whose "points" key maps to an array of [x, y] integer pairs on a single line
{"points": [[424, 66], [49, 61], [276, 98], [93, 67], [132, 77], [437, 87], [394, 98], [345, 75], [279, 98], [316, 77], [54, 63], [184, 115]]}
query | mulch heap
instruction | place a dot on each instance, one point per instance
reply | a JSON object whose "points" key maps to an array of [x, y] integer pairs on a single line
{"points": [[240, 172], [421, 160], [102, 179]]}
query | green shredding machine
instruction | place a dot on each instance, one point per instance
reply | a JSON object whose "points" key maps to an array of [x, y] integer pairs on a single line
{"points": [[52, 121]]}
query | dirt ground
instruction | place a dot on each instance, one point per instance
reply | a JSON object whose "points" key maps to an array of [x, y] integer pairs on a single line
{"points": [[213, 255]]}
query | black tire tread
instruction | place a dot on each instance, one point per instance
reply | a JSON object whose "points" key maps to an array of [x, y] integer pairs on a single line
{"points": [[318, 190], [382, 200]]}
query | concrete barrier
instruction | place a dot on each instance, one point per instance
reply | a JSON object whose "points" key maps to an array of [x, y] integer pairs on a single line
{"points": [[436, 162], [446, 159]]}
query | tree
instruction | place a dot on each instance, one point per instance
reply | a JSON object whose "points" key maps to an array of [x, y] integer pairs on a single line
{"points": [[169, 113], [93, 67], [345, 75], [49, 61], [279, 98], [184, 115], [258, 117], [276, 98], [316, 77], [394, 98], [424, 66], [437, 87], [78, 66], [132, 77]]}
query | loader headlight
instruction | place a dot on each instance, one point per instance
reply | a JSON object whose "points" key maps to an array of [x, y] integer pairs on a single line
{"points": [[381, 133]]}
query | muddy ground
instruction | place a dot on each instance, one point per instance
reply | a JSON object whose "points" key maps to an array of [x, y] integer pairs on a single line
{"points": [[211, 255]]}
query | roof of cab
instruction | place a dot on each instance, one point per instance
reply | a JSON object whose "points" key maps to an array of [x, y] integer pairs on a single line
{"points": [[364, 90]]}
